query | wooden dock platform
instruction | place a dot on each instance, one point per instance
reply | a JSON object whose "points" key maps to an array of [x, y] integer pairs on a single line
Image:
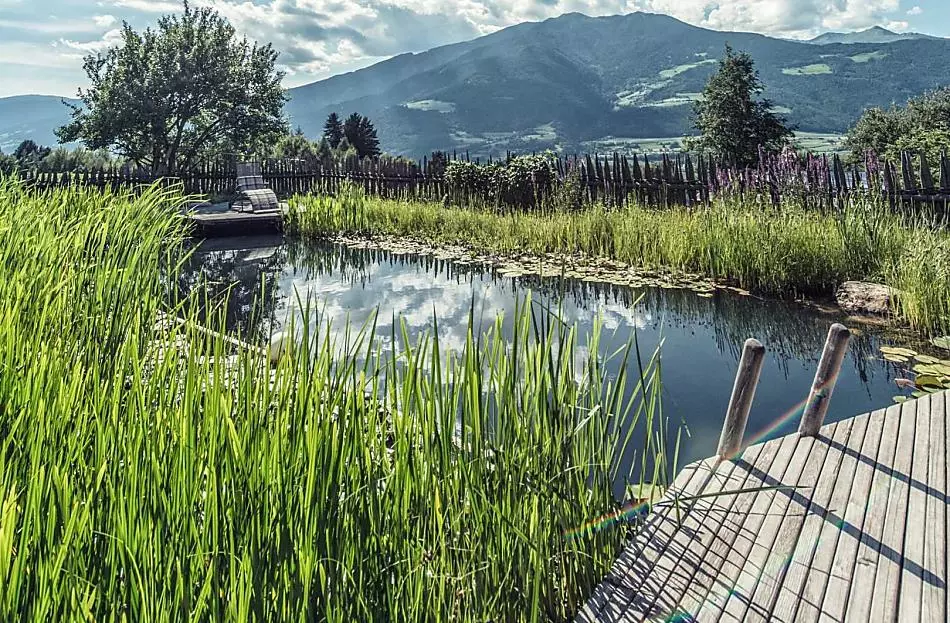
{"points": [[231, 223], [848, 524]]}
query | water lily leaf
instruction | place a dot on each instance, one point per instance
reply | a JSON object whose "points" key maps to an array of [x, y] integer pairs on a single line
{"points": [[651, 493], [900, 399], [896, 359], [899, 352], [941, 342], [919, 394], [928, 381], [927, 359], [927, 370]]}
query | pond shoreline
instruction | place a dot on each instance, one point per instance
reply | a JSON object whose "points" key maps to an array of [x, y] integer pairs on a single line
{"points": [[589, 269]]}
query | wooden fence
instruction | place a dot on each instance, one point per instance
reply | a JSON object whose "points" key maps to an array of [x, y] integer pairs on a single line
{"points": [[665, 180]]}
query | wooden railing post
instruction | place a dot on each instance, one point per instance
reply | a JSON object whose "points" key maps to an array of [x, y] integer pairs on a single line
{"points": [[747, 378], [824, 384]]}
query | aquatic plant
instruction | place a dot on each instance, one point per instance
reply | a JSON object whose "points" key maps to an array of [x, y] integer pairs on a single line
{"points": [[151, 471]]}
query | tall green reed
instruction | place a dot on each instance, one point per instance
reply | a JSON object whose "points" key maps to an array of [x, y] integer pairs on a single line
{"points": [[154, 473]]}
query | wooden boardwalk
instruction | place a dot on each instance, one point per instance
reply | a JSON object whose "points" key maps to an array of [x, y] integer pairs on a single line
{"points": [[850, 524]]}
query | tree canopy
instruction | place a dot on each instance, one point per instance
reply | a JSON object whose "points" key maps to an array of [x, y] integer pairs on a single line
{"points": [[733, 120], [333, 130], [167, 97], [361, 135], [923, 125]]}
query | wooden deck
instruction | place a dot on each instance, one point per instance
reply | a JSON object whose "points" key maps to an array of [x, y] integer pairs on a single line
{"points": [[230, 223], [847, 525]]}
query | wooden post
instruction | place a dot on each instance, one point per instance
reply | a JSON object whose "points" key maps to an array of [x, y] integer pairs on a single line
{"points": [[747, 378], [824, 384]]}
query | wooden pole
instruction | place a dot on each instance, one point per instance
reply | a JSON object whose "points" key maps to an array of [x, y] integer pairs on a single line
{"points": [[747, 378], [824, 384]]}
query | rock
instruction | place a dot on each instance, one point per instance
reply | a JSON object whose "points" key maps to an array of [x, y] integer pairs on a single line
{"points": [[861, 297]]}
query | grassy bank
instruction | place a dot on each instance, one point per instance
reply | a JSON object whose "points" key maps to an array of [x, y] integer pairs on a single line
{"points": [[787, 253], [197, 486]]}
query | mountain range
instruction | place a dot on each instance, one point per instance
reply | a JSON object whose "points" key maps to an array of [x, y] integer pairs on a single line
{"points": [[578, 83]]}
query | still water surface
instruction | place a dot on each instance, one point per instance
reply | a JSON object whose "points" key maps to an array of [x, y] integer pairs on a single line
{"points": [[701, 337]]}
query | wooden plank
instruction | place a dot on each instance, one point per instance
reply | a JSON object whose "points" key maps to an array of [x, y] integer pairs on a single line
{"points": [[723, 559], [612, 595], [778, 537], [858, 599], [884, 594], [834, 600], [934, 593], [802, 590], [756, 534], [684, 557], [911, 583]]}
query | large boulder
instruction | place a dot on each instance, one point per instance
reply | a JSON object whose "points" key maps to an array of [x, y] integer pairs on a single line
{"points": [[862, 297]]}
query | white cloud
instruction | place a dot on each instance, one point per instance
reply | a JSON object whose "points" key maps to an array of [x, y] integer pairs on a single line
{"points": [[108, 40], [145, 6], [104, 21], [916, 10]]}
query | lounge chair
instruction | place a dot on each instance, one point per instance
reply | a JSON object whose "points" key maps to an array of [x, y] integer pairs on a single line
{"points": [[253, 195]]}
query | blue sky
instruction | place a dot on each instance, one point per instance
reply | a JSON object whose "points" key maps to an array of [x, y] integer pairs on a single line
{"points": [[42, 42]]}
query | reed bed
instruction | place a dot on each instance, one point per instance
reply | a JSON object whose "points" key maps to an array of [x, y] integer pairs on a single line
{"points": [[788, 251], [151, 472]]}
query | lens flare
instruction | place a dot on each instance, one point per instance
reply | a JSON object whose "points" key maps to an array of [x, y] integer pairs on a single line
{"points": [[635, 508]]}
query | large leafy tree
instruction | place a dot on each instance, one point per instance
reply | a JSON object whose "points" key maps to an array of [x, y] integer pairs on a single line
{"points": [[188, 89], [733, 120], [361, 135], [922, 125], [333, 130]]}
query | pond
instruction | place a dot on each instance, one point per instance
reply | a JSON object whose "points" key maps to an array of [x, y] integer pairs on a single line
{"points": [[701, 337]]}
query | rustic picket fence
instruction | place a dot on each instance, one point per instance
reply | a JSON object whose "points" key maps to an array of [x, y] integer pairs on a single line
{"points": [[683, 179]]}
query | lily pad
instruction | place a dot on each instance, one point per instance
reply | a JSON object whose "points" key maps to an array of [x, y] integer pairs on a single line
{"points": [[900, 399], [926, 359], [928, 381], [896, 359], [941, 342], [900, 352]]}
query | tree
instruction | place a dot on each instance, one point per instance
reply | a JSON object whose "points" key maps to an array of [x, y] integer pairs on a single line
{"points": [[734, 122], [437, 163], [8, 164], [333, 130], [187, 89], [325, 152], [294, 146], [361, 134], [922, 125], [29, 154]]}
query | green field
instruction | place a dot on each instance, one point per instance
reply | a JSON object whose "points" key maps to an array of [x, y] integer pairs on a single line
{"points": [[816, 69]]}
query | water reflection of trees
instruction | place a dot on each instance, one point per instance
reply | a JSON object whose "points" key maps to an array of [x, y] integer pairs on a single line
{"points": [[236, 278], [791, 332]]}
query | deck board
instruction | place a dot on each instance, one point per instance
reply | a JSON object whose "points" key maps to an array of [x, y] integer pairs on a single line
{"points": [[850, 525]]}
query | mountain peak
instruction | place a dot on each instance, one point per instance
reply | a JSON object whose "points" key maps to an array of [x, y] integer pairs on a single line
{"points": [[874, 34]]}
